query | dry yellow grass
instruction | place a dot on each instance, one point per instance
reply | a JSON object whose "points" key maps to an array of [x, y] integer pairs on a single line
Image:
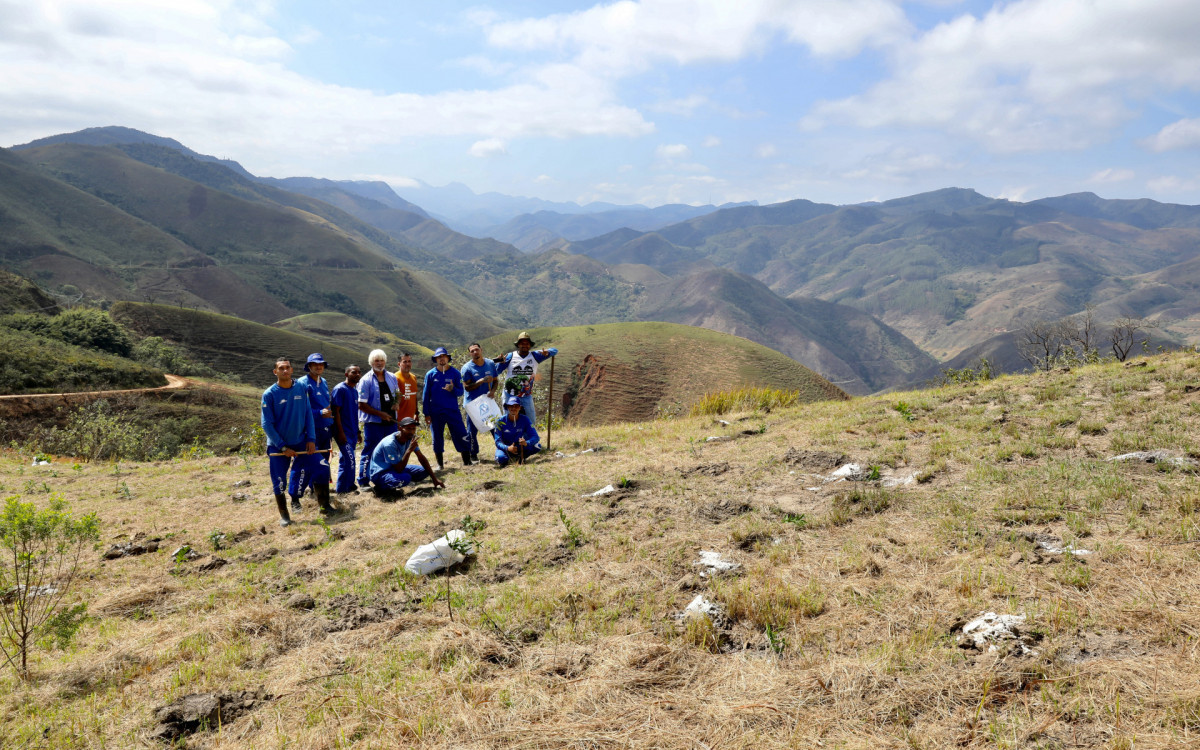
{"points": [[840, 629]]}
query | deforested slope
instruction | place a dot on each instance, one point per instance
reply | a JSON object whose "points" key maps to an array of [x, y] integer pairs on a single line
{"points": [[635, 371]]}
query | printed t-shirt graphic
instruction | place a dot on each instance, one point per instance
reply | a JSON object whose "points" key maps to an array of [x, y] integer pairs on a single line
{"points": [[408, 394]]}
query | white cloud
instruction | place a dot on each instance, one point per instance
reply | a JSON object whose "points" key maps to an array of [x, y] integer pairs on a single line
{"points": [[684, 107], [1180, 134], [487, 148], [711, 141], [766, 151], [214, 76], [625, 37], [900, 164], [1112, 175], [672, 151], [543, 179], [1172, 184], [485, 65], [1033, 74]]}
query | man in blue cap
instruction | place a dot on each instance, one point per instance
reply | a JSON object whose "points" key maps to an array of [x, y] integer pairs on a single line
{"points": [[287, 421], [316, 474], [515, 436], [439, 401], [390, 470]]}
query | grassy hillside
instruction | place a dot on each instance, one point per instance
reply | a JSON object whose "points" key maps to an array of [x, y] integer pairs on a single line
{"points": [[635, 371], [36, 364], [346, 332], [194, 233], [231, 345], [842, 627]]}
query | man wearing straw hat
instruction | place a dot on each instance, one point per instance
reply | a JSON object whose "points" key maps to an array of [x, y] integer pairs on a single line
{"points": [[521, 369], [287, 421], [439, 401]]}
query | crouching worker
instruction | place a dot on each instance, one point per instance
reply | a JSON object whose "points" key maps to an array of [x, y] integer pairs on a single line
{"points": [[516, 439], [287, 421], [390, 470]]}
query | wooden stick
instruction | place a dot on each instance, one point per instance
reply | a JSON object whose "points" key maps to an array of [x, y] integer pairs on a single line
{"points": [[550, 405], [304, 453]]}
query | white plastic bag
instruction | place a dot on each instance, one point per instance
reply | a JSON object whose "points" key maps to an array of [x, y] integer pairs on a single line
{"points": [[438, 554], [484, 412]]}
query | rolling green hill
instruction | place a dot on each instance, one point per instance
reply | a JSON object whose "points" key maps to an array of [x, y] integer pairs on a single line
{"points": [[349, 333], [231, 345], [114, 227], [635, 371]]}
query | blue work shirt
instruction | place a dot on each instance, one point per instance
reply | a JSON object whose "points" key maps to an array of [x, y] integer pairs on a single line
{"points": [[507, 433], [471, 371], [286, 416], [387, 454], [368, 392], [318, 398], [345, 398], [435, 397]]}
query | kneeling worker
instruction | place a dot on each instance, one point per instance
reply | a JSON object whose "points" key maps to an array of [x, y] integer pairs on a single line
{"points": [[390, 470], [515, 436]]}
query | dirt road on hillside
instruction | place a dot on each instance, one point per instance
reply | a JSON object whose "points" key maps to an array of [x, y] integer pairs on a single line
{"points": [[173, 382]]}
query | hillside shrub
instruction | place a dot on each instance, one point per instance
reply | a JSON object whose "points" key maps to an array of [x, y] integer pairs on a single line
{"points": [[155, 352], [31, 363], [39, 557], [96, 432], [81, 326], [744, 399]]}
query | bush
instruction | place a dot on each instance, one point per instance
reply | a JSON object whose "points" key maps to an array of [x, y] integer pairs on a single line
{"points": [[41, 550], [744, 399], [32, 363]]}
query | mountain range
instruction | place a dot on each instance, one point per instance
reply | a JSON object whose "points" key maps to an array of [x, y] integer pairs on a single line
{"points": [[870, 295]]}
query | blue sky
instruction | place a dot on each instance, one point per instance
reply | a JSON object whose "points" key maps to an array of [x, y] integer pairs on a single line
{"points": [[649, 101]]}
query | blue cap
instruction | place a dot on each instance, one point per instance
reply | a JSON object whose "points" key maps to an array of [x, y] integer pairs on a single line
{"points": [[439, 352], [314, 359], [512, 401]]}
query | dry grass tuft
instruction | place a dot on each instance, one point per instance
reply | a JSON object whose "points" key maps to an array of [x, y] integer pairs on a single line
{"points": [[841, 628]]}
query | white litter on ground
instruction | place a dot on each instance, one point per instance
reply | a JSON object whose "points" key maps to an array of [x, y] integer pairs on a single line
{"points": [[606, 490], [1065, 549], [701, 607], [712, 564], [848, 471], [990, 628], [1155, 457], [40, 463], [722, 421], [438, 554], [715, 438], [898, 480]]}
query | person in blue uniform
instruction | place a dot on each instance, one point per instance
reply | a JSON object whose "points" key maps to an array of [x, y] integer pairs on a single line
{"points": [[318, 402], [390, 470], [343, 400], [515, 436], [287, 421], [439, 402], [519, 370], [378, 394], [479, 379]]}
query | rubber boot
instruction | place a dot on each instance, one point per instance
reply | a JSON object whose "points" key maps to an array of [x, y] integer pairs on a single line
{"points": [[322, 492], [438, 456], [284, 518], [466, 457], [296, 504]]}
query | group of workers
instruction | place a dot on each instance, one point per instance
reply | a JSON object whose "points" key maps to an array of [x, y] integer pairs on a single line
{"points": [[304, 418]]}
